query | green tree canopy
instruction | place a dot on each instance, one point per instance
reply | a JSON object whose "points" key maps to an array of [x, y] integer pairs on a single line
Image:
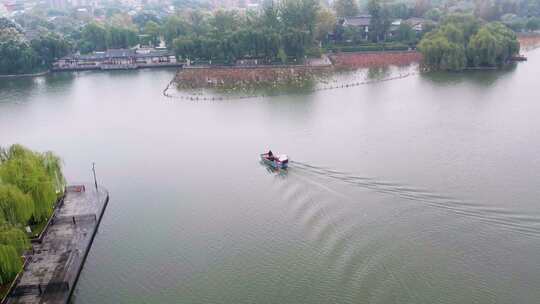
{"points": [[11, 263], [50, 47], [380, 21], [16, 207], [461, 42], [16, 53], [153, 30], [493, 44], [29, 182], [326, 23], [35, 174], [175, 26], [94, 38]]}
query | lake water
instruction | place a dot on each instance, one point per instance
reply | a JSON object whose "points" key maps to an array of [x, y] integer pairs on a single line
{"points": [[418, 190]]}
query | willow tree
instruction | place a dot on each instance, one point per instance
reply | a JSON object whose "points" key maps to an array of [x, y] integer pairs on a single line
{"points": [[53, 166], [11, 263], [35, 174], [13, 242], [15, 206], [15, 237], [29, 183]]}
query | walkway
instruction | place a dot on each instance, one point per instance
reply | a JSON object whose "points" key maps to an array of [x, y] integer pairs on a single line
{"points": [[54, 265]]}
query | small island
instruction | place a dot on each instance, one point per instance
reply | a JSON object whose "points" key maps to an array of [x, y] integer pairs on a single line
{"points": [[465, 42]]}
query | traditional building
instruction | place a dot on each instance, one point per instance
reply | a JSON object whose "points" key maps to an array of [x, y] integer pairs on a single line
{"points": [[362, 22], [418, 24], [117, 59]]}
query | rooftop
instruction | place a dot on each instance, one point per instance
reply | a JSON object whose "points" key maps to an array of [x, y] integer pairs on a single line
{"points": [[121, 53], [361, 20]]}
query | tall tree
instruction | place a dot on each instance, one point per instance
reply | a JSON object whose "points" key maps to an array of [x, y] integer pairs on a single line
{"points": [[380, 21], [50, 46], [15, 206], [29, 171], [458, 44], [174, 27], [300, 15], [326, 23], [346, 8], [152, 29], [16, 54], [94, 38]]}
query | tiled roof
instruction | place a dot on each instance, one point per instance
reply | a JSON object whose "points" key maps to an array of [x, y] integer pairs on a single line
{"points": [[120, 53], [362, 20]]}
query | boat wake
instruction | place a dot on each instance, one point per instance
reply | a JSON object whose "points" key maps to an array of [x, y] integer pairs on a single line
{"points": [[364, 249], [500, 217]]}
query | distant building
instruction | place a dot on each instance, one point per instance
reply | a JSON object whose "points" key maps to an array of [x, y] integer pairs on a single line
{"points": [[362, 22], [14, 5], [84, 12], [117, 59], [418, 24]]}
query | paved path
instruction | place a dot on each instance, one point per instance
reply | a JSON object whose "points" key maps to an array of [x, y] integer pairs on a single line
{"points": [[54, 264]]}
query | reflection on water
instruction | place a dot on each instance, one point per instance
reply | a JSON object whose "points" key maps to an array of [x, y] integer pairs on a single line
{"points": [[377, 73], [482, 78]]}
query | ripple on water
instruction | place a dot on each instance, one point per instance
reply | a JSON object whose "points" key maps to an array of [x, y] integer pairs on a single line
{"points": [[503, 218], [374, 259]]}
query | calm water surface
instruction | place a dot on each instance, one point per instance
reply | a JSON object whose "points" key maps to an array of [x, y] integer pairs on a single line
{"points": [[418, 190]]}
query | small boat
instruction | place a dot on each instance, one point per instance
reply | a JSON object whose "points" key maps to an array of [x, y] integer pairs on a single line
{"points": [[275, 161]]}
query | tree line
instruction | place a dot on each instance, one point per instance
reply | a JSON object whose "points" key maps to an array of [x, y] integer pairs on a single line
{"points": [[280, 31], [30, 183]]}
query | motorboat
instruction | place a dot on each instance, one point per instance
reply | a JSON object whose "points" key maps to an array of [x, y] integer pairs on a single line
{"points": [[275, 161]]}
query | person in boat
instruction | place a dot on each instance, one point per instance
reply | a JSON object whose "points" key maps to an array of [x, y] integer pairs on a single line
{"points": [[270, 155]]}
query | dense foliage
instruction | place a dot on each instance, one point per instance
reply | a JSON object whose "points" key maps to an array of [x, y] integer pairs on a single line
{"points": [[287, 29], [96, 37], [20, 55], [462, 41], [29, 185]]}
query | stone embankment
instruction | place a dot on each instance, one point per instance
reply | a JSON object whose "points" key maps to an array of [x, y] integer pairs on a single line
{"points": [[54, 263]]}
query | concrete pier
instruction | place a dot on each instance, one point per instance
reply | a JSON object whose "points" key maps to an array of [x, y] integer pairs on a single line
{"points": [[54, 264]]}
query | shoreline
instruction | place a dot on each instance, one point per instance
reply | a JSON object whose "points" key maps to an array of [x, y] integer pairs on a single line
{"points": [[26, 75]]}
